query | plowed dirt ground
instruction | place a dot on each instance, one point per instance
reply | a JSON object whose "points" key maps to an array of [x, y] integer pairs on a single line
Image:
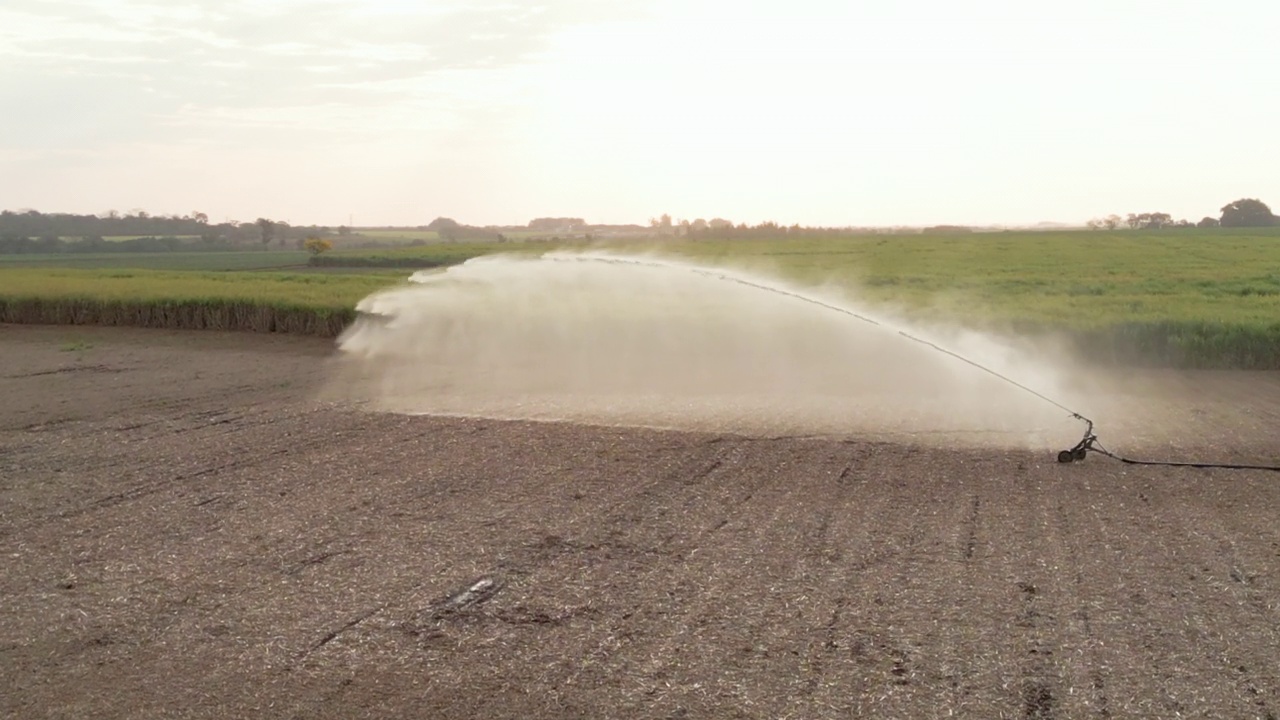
{"points": [[188, 530]]}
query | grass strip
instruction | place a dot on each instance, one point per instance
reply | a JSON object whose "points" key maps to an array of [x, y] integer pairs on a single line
{"points": [[296, 303], [194, 314]]}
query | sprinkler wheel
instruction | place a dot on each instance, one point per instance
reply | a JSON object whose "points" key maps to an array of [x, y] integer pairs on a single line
{"points": [[1079, 453], [1066, 456]]}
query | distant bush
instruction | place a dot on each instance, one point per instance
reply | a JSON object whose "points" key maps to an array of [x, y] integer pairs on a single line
{"points": [[316, 246]]}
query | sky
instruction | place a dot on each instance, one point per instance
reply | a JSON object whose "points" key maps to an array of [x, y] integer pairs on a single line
{"points": [[850, 113]]}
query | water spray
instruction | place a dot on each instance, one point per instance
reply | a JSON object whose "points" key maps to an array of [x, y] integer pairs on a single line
{"points": [[1077, 453]]}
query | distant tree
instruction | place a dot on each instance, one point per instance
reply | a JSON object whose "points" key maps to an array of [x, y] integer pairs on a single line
{"points": [[1155, 221], [242, 232], [1111, 222], [282, 232], [698, 225], [200, 217], [1094, 224], [554, 224], [1247, 212], [661, 224], [447, 228], [1208, 222], [343, 230], [1149, 221], [719, 224], [443, 223], [316, 246], [268, 230]]}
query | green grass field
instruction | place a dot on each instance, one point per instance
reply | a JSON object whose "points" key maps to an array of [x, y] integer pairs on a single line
{"points": [[206, 261], [1069, 279], [432, 254], [1188, 299], [1077, 280], [407, 236], [395, 236], [121, 238], [1184, 298]]}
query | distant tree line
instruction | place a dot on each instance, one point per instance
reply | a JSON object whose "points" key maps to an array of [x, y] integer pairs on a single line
{"points": [[1246, 212], [554, 224], [30, 231], [722, 229], [31, 223], [452, 231]]}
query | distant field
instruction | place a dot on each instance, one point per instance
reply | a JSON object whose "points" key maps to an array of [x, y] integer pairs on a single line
{"points": [[208, 261], [1177, 298], [1076, 279], [120, 238], [434, 254], [404, 235], [1186, 298]]}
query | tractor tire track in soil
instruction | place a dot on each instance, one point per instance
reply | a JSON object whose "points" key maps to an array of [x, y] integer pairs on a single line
{"points": [[200, 533]]}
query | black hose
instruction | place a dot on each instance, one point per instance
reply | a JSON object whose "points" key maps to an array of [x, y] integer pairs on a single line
{"points": [[1172, 463]]}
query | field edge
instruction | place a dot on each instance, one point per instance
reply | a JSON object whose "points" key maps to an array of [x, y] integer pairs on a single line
{"points": [[204, 314]]}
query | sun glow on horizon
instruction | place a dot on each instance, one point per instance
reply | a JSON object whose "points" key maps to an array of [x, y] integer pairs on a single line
{"points": [[817, 112]]}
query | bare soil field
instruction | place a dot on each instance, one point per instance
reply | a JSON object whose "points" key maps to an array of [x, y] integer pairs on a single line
{"points": [[189, 528]]}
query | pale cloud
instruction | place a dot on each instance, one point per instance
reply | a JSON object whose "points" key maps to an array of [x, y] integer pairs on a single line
{"points": [[816, 111], [234, 58]]}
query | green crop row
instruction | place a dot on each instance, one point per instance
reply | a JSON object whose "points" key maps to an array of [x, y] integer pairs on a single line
{"points": [[1169, 343], [302, 303], [194, 314]]}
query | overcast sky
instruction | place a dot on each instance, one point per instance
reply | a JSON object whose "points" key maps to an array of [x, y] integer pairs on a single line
{"points": [[857, 112]]}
